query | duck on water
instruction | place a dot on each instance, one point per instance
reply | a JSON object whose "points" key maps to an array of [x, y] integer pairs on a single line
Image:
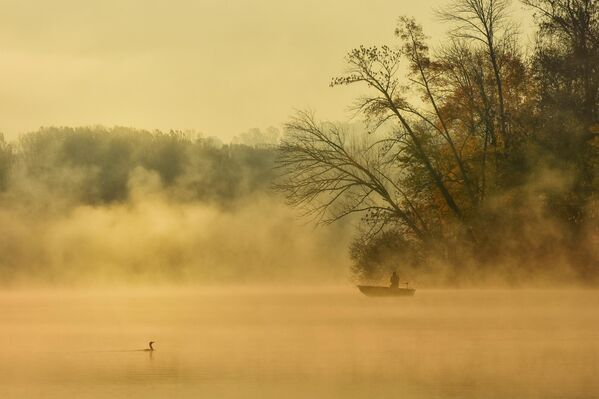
{"points": [[151, 347]]}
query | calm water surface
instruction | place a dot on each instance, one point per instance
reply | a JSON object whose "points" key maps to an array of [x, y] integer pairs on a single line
{"points": [[299, 343]]}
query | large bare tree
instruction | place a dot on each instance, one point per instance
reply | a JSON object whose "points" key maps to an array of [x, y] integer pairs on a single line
{"points": [[488, 24], [336, 173]]}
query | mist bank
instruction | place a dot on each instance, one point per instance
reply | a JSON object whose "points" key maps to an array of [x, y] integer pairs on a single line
{"points": [[152, 240], [96, 205]]}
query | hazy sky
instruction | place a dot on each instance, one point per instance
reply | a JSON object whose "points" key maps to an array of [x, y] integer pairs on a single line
{"points": [[219, 67]]}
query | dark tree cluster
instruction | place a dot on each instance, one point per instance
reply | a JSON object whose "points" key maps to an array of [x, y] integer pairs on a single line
{"points": [[474, 155]]}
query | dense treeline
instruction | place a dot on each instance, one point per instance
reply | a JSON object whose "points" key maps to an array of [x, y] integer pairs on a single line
{"points": [[97, 165], [477, 156]]}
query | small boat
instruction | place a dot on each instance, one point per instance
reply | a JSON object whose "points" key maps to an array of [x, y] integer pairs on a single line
{"points": [[372, 290]]}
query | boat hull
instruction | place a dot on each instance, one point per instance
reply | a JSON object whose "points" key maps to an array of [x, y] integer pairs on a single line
{"points": [[371, 290]]}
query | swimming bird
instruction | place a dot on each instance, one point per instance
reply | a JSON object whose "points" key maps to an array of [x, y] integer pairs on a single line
{"points": [[151, 347]]}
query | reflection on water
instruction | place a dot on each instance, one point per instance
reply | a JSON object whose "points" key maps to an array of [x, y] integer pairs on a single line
{"points": [[325, 343]]}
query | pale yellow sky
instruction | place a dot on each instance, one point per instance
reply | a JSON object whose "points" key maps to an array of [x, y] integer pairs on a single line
{"points": [[215, 66]]}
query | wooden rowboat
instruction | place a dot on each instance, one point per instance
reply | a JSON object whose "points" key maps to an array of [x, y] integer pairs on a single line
{"points": [[371, 290]]}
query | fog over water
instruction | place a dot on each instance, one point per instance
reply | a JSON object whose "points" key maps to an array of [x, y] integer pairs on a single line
{"points": [[298, 342]]}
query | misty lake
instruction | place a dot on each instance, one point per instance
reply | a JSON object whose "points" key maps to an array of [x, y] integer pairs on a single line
{"points": [[299, 343]]}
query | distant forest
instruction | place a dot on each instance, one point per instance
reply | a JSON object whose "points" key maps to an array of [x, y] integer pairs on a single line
{"points": [[97, 166]]}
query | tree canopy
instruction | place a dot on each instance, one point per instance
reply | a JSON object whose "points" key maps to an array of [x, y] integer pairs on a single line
{"points": [[473, 154]]}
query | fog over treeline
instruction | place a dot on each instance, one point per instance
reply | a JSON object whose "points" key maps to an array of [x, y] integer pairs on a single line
{"points": [[121, 204]]}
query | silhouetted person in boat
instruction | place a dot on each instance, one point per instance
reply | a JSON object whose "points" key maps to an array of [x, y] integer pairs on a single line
{"points": [[394, 280]]}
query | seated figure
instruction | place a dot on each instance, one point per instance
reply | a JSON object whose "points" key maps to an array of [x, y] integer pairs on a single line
{"points": [[394, 280]]}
